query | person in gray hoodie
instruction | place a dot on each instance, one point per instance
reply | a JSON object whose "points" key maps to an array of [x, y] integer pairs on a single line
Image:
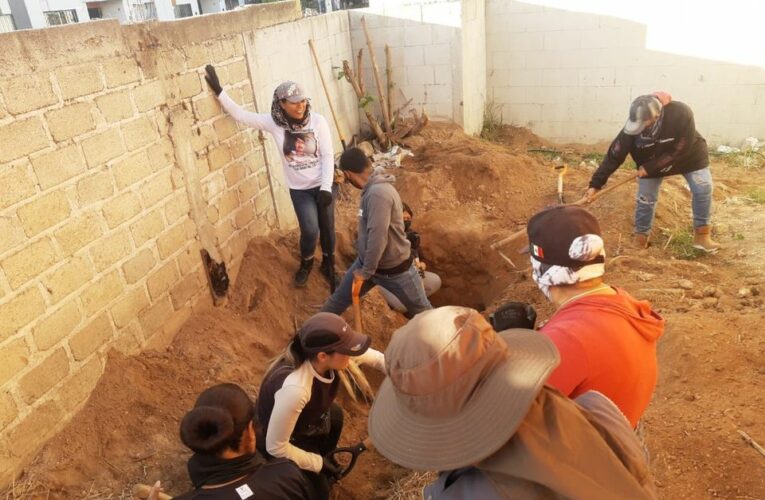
{"points": [[384, 252]]}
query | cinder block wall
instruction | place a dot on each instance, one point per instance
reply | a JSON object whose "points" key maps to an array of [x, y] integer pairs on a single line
{"points": [[117, 166], [426, 54], [570, 76]]}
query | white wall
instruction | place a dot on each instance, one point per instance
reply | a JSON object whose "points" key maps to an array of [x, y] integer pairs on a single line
{"points": [[78, 5], [116, 9], [5, 7], [570, 76], [426, 53], [473, 65], [210, 6]]}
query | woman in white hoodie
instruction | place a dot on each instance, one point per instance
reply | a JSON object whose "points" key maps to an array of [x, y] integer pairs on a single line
{"points": [[305, 144]]}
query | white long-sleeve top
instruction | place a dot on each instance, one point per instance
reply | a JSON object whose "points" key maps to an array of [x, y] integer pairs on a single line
{"points": [[289, 402], [301, 172]]}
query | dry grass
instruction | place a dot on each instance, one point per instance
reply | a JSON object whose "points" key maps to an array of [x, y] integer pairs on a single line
{"points": [[32, 489], [410, 487]]}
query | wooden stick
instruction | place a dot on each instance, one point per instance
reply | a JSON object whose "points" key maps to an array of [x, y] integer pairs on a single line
{"points": [[582, 202], [326, 92], [380, 93], [360, 72], [144, 490], [372, 121], [389, 82], [754, 444]]}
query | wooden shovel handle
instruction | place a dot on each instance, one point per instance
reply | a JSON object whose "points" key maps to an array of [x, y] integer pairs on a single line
{"points": [[356, 298]]}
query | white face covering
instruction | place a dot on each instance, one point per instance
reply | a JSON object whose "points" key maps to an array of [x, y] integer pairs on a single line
{"points": [[584, 248]]}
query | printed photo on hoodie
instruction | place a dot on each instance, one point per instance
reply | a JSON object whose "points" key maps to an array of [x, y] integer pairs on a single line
{"points": [[301, 149]]}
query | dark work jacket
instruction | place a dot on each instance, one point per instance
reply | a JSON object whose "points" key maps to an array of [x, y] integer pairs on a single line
{"points": [[677, 148], [276, 480]]}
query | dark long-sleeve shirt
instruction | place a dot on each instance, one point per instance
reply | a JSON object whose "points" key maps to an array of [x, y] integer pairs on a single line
{"points": [[677, 148]]}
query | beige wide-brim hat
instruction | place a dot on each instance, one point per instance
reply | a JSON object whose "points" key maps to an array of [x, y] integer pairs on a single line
{"points": [[491, 407]]}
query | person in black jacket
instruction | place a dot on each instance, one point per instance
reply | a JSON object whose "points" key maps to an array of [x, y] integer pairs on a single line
{"points": [[225, 464], [662, 139]]}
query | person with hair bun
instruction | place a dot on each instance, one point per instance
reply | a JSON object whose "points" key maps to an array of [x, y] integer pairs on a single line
{"points": [[220, 430], [298, 417]]}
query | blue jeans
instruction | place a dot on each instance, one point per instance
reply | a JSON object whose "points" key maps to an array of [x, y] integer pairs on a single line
{"points": [[700, 182], [307, 211], [406, 286]]}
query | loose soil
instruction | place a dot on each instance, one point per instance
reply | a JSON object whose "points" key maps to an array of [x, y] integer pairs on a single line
{"points": [[466, 194]]}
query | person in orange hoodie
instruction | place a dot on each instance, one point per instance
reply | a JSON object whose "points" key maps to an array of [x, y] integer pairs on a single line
{"points": [[606, 338]]}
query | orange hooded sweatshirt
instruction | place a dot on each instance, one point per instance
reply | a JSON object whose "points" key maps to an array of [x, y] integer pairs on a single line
{"points": [[607, 343]]}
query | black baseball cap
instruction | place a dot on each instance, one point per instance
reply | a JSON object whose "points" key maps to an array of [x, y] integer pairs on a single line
{"points": [[552, 231], [327, 332]]}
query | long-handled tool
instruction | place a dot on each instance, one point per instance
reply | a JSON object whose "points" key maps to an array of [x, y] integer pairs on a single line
{"points": [[147, 492], [561, 169], [346, 457], [581, 202], [356, 375], [356, 299], [326, 92]]}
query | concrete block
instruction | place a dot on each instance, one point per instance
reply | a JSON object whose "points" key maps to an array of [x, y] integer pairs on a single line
{"points": [[207, 107], [162, 280], [121, 208], [69, 277], [79, 386], [177, 207], [128, 308], [28, 93], [227, 203], [116, 106], [559, 77], [15, 356], [23, 185], [139, 266], [30, 433], [196, 55], [189, 259], [149, 96], [421, 35], [598, 77], [508, 59], [156, 189], [152, 318], [58, 166], [121, 71], [172, 61], [175, 239], [218, 157], [93, 336], [101, 293], [95, 187], [8, 409], [237, 72], [13, 235], [79, 80], [225, 127], [110, 249], [139, 132], [44, 212], [234, 174], [20, 310], [103, 147], [438, 54], [70, 121], [147, 228], [556, 40], [244, 216], [521, 114], [189, 85], [161, 154], [40, 379], [132, 169], [420, 75], [57, 326], [22, 137]]}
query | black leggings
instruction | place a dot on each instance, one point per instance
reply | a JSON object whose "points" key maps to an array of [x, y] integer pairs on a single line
{"points": [[323, 445]]}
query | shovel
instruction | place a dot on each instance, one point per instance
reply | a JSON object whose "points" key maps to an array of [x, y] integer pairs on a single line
{"points": [[561, 168], [356, 298], [347, 456]]}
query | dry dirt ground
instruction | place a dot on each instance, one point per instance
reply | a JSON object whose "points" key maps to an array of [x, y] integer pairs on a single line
{"points": [[466, 194]]}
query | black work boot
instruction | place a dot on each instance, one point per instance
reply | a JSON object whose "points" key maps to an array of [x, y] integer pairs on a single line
{"points": [[301, 276], [329, 273]]}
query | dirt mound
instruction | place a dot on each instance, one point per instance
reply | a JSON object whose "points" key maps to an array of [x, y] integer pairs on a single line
{"points": [[466, 193]]}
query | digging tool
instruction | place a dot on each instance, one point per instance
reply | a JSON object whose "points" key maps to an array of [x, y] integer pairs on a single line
{"points": [[356, 299], [348, 455], [144, 491], [326, 92], [561, 169], [581, 202], [378, 82]]}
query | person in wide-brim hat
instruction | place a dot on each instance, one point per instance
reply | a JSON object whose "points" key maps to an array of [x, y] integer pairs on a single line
{"points": [[472, 403]]}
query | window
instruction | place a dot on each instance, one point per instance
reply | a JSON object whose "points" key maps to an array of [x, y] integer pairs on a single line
{"points": [[95, 13], [183, 10], [144, 11], [58, 17], [6, 23], [232, 4]]}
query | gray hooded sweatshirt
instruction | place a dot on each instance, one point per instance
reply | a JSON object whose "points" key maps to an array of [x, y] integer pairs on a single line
{"points": [[382, 242]]}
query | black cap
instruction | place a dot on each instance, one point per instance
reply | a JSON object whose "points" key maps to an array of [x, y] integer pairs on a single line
{"points": [[552, 231], [327, 332]]}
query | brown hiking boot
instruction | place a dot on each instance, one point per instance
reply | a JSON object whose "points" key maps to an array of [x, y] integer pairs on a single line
{"points": [[702, 239], [640, 240]]}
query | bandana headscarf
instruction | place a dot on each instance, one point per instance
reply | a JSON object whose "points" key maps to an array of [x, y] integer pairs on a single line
{"points": [[284, 121], [584, 248]]}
